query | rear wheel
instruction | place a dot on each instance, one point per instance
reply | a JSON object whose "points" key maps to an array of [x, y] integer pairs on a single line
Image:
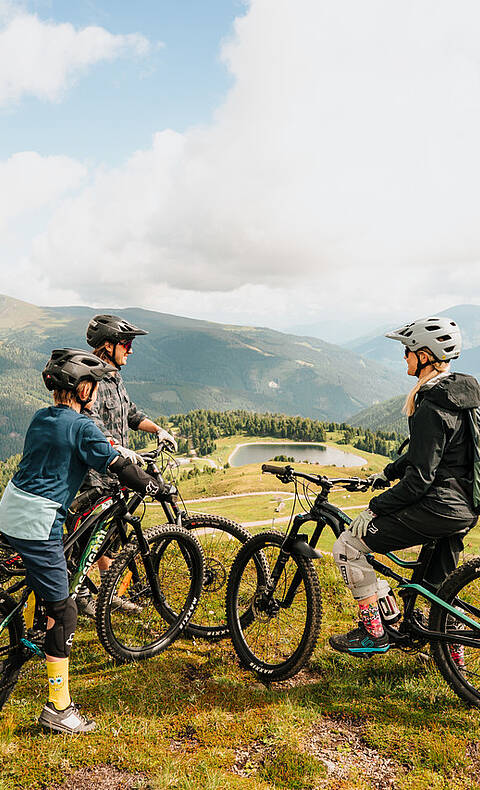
{"points": [[274, 632], [220, 539], [12, 654], [459, 664], [130, 625]]}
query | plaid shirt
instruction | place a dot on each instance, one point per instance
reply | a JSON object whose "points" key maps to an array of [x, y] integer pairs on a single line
{"points": [[114, 413]]}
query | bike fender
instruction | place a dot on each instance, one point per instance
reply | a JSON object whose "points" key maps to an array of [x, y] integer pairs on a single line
{"points": [[303, 549]]}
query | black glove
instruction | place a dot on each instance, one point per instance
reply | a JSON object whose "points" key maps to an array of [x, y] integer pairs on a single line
{"points": [[134, 477]]}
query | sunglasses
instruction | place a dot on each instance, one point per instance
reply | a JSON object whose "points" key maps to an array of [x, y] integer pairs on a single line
{"points": [[127, 344], [407, 352]]}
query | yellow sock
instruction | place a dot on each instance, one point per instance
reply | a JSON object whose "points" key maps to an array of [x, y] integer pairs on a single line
{"points": [[58, 692]]}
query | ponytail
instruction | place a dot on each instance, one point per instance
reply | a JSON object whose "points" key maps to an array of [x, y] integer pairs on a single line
{"points": [[438, 367]]}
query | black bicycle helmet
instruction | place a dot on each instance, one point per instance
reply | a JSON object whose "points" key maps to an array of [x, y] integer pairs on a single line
{"points": [[67, 367], [111, 329]]}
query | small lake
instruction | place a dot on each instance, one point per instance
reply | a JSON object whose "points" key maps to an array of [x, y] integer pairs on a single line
{"points": [[325, 455]]}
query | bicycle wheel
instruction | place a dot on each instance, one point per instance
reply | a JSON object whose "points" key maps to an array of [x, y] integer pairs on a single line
{"points": [[459, 664], [130, 626], [221, 540], [273, 635], [12, 655]]}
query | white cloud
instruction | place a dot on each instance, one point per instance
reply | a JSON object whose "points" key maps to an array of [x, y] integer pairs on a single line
{"points": [[43, 58], [344, 158], [30, 182]]}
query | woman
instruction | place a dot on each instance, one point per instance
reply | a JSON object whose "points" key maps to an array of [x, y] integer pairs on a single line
{"points": [[434, 496], [61, 444]]}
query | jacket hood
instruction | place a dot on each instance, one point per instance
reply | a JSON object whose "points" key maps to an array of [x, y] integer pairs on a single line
{"points": [[455, 391]]}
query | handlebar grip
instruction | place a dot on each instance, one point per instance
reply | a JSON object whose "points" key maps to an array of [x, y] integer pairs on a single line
{"points": [[274, 470]]}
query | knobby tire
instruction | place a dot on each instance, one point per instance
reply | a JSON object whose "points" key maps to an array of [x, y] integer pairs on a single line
{"points": [[461, 589], [221, 540], [144, 630], [12, 654], [278, 642]]}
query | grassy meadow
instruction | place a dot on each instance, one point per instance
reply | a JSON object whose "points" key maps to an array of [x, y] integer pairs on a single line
{"points": [[193, 718]]}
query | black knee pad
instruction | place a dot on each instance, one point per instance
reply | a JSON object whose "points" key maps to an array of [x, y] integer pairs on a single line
{"points": [[58, 641]]}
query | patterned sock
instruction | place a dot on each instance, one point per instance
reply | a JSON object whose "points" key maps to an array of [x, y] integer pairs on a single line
{"points": [[371, 619], [58, 692]]}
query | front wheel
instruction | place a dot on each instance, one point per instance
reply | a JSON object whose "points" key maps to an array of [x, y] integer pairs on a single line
{"points": [[459, 664], [12, 653], [274, 627], [130, 625]]}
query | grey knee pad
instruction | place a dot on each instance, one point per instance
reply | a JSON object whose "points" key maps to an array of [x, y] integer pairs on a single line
{"points": [[58, 641], [349, 554]]}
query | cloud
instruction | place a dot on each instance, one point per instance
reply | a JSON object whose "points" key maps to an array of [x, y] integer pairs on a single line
{"points": [[344, 158], [30, 182], [42, 58]]}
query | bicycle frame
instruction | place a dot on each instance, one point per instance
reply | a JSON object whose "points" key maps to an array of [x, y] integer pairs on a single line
{"points": [[324, 513], [114, 507]]}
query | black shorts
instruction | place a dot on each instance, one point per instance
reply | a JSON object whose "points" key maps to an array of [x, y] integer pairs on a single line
{"points": [[412, 526], [46, 567], [415, 526]]}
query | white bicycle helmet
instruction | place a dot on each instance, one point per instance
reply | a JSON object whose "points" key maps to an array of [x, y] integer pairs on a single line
{"points": [[441, 336]]}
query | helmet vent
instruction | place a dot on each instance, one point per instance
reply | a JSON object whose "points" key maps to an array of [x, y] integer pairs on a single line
{"points": [[432, 328]]}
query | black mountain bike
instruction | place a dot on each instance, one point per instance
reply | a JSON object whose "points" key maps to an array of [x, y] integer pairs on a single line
{"points": [[219, 537], [166, 576], [274, 598]]}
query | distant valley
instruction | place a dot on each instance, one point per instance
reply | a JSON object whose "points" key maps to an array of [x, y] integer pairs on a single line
{"points": [[185, 364]]}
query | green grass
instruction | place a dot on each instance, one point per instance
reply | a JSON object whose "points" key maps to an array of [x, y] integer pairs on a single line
{"points": [[184, 717], [192, 718]]}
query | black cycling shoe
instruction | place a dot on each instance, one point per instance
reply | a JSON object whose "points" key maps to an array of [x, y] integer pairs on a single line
{"points": [[360, 642]]}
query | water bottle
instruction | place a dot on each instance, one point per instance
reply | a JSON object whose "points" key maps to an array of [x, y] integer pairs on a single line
{"points": [[387, 603]]}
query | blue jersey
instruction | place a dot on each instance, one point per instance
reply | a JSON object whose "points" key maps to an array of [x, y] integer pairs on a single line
{"points": [[60, 446]]}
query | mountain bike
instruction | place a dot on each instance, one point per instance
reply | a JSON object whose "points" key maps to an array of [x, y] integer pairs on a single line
{"points": [[166, 570], [274, 598], [219, 537]]}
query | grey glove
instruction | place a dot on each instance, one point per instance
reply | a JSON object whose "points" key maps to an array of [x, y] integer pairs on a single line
{"points": [[164, 437], [378, 480], [358, 527], [131, 455]]}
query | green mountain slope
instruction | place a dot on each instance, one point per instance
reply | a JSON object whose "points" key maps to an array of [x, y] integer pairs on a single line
{"points": [[385, 416], [184, 364]]}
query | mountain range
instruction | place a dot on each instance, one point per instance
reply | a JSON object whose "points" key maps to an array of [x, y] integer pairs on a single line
{"points": [[184, 364], [376, 346]]}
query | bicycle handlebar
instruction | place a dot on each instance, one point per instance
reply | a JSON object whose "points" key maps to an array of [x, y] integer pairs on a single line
{"points": [[288, 474], [276, 470]]}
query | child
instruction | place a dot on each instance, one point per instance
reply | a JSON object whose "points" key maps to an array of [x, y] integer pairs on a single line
{"points": [[60, 446]]}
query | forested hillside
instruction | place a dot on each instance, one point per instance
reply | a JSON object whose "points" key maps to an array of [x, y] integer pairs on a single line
{"points": [[199, 429], [185, 364], [386, 416]]}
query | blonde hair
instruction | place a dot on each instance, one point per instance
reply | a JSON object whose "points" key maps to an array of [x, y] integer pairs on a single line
{"points": [[67, 397], [438, 367]]}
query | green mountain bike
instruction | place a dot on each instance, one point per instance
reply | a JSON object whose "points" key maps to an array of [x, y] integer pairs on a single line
{"points": [[274, 597]]}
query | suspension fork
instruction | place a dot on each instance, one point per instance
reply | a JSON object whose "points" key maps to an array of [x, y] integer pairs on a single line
{"points": [[285, 553], [158, 597]]}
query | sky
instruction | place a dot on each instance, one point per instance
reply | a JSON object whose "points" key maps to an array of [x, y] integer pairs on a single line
{"points": [[265, 162]]}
